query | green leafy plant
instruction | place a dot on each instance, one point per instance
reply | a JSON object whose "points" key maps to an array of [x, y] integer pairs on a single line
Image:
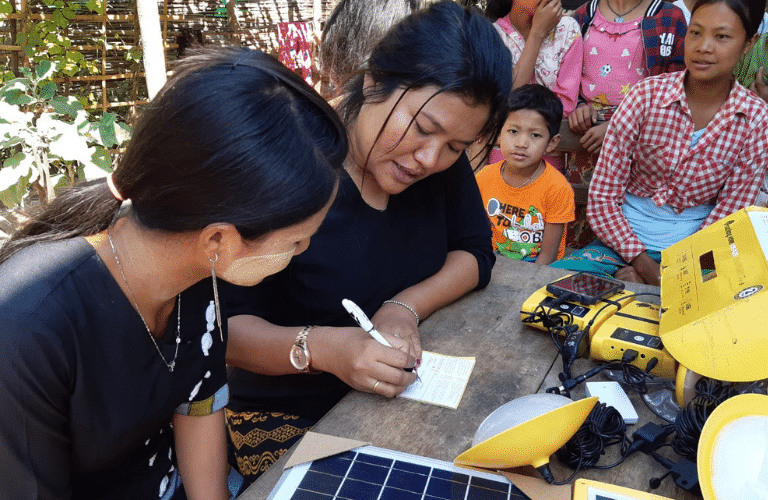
{"points": [[46, 39], [51, 39], [48, 140]]}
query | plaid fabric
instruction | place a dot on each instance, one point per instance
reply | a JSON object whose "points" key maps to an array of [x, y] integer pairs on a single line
{"points": [[647, 152], [664, 30]]}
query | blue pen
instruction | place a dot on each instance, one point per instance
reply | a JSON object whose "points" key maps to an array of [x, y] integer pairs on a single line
{"points": [[362, 319]]}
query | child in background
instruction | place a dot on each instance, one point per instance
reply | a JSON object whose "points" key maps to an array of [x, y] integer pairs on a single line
{"points": [[752, 71], [683, 150], [619, 51], [527, 200], [546, 47]]}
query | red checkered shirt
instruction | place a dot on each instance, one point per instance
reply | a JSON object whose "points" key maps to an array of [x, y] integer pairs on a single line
{"points": [[647, 152]]}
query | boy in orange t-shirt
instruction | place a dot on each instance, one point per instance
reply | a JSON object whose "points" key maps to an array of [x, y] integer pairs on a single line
{"points": [[527, 200]]}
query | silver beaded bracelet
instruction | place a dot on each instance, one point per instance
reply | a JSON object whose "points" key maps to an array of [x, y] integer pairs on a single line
{"points": [[418, 320]]}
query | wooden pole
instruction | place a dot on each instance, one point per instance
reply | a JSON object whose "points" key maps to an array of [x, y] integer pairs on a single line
{"points": [[14, 54], [165, 30], [234, 22], [317, 14], [104, 105], [151, 45], [24, 14]]}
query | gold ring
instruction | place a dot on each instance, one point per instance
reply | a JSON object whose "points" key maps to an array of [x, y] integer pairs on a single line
{"points": [[376, 385]]}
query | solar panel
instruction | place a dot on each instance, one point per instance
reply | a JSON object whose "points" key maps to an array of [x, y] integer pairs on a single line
{"points": [[371, 473]]}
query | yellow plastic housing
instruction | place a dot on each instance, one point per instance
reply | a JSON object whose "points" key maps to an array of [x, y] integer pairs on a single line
{"points": [[732, 457], [531, 442]]}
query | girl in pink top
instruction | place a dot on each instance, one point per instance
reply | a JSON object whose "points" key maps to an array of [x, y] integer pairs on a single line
{"points": [[613, 62]]}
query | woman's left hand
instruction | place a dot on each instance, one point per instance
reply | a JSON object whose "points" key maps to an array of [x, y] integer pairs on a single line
{"points": [[628, 273], [593, 138], [647, 268], [398, 325]]}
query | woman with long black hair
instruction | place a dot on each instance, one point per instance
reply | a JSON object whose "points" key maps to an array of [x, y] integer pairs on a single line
{"points": [[112, 338], [406, 236]]}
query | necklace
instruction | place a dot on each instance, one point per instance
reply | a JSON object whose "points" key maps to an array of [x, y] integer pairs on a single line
{"points": [[620, 17], [538, 167], [172, 364]]}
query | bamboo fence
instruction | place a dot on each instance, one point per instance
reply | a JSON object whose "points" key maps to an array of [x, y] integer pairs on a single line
{"points": [[106, 38]]}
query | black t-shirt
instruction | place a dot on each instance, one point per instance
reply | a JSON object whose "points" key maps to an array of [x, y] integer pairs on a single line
{"points": [[86, 400], [367, 256]]}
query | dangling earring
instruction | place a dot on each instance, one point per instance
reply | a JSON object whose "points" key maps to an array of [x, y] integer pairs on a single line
{"points": [[216, 293]]}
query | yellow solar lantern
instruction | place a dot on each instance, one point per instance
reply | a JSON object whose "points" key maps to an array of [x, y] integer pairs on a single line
{"points": [[732, 457], [526, 431]]}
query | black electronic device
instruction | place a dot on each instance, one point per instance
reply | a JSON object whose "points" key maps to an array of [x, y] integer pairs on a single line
{"points": [[584, 288]]}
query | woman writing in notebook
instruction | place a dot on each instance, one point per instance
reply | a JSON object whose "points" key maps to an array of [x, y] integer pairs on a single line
{"points": [[407, 235]]}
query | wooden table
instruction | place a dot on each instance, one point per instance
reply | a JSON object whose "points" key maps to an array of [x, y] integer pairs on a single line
{"points": [[512, 360]]}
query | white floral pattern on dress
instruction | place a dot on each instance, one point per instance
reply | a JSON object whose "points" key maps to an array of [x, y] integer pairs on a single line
{"points": [[197, 386], [206, 341], [553, 48]]}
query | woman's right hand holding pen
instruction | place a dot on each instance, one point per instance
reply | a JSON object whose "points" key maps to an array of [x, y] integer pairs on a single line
{"points": [[360, 361]]}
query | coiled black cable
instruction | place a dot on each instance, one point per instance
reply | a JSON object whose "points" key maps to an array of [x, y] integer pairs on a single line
{"points": [[690, 421], [548, 318], [604, 427], [634, 376]]}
